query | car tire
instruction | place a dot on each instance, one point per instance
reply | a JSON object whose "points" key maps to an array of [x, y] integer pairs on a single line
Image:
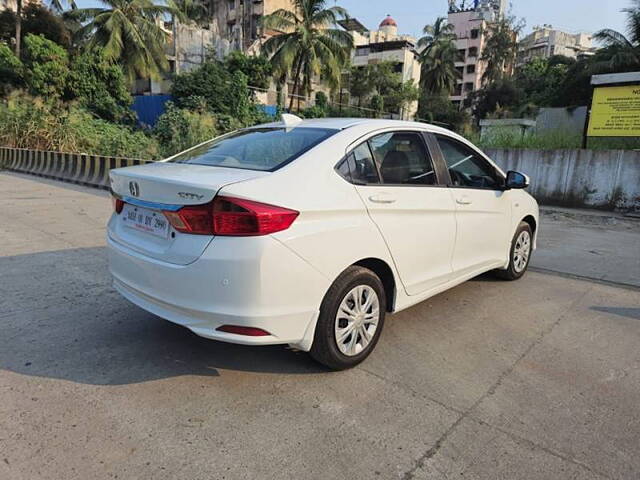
{"points": [[348, 329], [519, 253]]}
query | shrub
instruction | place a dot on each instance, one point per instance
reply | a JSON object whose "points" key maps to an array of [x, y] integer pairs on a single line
{"points": [[100, 86], [48, 66], [35, 123], [11, 70], [178, 129]]}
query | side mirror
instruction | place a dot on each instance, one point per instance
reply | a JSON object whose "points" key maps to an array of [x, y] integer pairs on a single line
{"points": [[516, 180]]}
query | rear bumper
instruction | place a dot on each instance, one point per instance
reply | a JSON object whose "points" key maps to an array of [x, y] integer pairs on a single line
{"points": [[253, 282]]}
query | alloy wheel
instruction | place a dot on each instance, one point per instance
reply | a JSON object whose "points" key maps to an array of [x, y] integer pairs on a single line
{"points": [[357, 320]]}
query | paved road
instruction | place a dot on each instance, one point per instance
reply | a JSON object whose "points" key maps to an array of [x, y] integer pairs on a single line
{"points": [[537, 379]]}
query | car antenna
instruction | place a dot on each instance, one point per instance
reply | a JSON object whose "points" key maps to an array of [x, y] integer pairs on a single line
{"points": [[290, 121]]}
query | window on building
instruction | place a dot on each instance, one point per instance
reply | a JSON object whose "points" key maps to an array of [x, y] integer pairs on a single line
{"points": [[471, 69], [468, 87], [457, 91], [475, 33], [362, 51], [231, 4], [460, 71], [473, 51], [461, 55]]}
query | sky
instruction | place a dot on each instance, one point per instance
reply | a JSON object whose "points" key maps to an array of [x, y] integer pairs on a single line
{"points": [[413, 15], [571, 15]]}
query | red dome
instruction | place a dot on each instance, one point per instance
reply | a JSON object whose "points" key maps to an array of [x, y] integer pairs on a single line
{"points": [[388, 22]]}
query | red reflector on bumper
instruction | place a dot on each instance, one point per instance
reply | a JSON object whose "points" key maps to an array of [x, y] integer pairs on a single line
{"points": [[246, 331]]}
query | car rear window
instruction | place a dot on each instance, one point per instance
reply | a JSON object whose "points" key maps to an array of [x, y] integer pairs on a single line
{"points": [[264, 149]]}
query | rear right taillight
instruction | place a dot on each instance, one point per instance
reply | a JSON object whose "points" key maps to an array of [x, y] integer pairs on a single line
{"points": [[227, 216]]}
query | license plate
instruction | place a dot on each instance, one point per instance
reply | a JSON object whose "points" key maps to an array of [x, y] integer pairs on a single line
{"points": [[145, 220]]}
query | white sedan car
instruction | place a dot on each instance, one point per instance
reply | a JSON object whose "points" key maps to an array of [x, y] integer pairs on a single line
{"points": [[308, 233]]}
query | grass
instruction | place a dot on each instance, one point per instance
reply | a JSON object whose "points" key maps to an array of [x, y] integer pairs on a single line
{"points": [[552, 140]]}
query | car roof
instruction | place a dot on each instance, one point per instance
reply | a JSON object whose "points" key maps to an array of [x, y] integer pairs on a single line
{"points": [[344, 123]]}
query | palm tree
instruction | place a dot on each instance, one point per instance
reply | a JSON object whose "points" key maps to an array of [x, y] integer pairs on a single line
{"points": [[439, 74], [189, 11], [309, 44], [501, 49], [622, 52], [438, 53], [440, 31], [129, 32]]}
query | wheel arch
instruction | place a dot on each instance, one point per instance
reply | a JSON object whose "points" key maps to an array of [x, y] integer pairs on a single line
{"points": [[386, 276], [532, 223]]}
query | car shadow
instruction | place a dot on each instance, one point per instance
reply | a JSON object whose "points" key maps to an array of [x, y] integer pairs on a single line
{"points": [[60, 318], [627, 312]]}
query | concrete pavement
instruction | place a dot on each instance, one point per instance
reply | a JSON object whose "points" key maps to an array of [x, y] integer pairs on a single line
{"points": [[536, 379]]}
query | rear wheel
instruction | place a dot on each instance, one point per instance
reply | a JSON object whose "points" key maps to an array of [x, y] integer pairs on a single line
{"points": [[520, 253], [351, 319]]}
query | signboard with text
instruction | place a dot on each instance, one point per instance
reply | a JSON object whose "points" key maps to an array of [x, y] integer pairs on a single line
{"points": [[615, 112]]}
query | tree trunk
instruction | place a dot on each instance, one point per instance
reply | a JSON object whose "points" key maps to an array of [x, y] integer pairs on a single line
{"points": [[295, 84], [18, 26]]}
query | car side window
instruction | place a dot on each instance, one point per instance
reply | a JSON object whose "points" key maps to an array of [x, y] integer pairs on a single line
{"points": [[466, 167], [359, 167], [403, 159]]}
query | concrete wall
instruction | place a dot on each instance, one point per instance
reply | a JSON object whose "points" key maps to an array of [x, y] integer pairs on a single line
{"points": [[608, 179], [567, 120]]}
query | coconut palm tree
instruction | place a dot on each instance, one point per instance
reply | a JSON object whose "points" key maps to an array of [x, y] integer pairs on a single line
{"points": [[129, 32], [501, 49], [189, 11], [438, 53], [309, 44], [439, 74], [440, 31], [622, 52]]}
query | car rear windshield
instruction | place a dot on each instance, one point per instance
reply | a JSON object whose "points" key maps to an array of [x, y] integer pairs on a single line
{"points": [[264, 149]]}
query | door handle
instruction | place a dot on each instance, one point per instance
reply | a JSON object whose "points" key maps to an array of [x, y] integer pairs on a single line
{"points": [[382, 198], [463, 200]]}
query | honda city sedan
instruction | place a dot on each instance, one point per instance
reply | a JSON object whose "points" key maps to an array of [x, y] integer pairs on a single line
{"points": [[308, 233]]}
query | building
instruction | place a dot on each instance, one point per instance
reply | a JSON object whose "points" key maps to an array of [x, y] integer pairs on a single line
{"points": [[238, 21], [470, 27], [386, 45], [545, 41], [13, 4]]}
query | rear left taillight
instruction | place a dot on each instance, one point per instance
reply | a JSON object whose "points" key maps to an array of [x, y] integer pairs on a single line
{"points": [[118, 205], [227, 216]]}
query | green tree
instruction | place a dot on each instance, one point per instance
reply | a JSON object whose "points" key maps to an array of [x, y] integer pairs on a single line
{"points": [[129, 32], [401, 96], [500, 96], [541, 78], [189, 11], [438, 56], [622, 53], [36, 20], [310, 44], [501, 48], [100, 86], [179, 128], [257, 69], [361, 83], [47, 66], [439, 109], [11, 70]]}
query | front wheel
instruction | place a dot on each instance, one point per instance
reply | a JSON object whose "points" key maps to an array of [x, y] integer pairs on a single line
{"points": [[520, 253], [351, 319]]}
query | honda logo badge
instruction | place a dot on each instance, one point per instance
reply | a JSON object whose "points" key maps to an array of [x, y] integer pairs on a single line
{"points": [[134, 189]]}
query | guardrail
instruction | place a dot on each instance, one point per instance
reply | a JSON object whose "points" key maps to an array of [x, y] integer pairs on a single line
{"points": [[78, 168]]}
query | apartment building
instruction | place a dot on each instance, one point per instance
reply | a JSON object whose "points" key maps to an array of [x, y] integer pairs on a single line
{"points": [[238, 21], [545, 41], [386, 45], [470, 27]]}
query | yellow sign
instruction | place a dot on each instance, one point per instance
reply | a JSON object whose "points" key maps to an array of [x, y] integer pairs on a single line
{"points": [[615, 112]]}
